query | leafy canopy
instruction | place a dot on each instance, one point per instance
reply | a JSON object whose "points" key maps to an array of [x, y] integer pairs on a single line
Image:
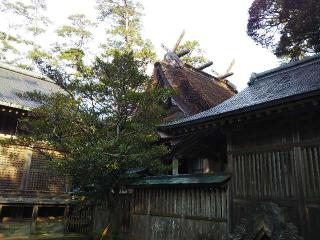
{"points": [[21, 29], [123, 18], [289, 28], [103, 125]]}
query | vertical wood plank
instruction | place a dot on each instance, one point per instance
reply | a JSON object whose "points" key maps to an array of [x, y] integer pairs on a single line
{"points": [[299, 169], [214, 203], [26, 169], [259, 174], [317, 169], [1, 213], [149, 201], [264, 174], [223, 202], [279, 173], [276, 176], [235, 170], [208, 206], [192, 199], [312, 171], [198, 202], [65, 218], [286, 173], [184, 206], [255, 179], [248, 175], [218, 204], [243, 177], [305, 173], [270, 177]]}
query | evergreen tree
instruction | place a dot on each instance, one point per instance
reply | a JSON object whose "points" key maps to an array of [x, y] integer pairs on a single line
{"points": [[73, 41], [103, 126], [124, 17], [21, 32], [289, 28]]}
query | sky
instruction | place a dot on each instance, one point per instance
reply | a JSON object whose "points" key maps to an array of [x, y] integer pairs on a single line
{"points": [[219, 26]]}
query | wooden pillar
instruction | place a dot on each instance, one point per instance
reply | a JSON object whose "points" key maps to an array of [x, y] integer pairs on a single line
{"points": [[175, 166], [26, 169], [68, 184], [230, 191], [0, 213], [299, 169], [66, 218], [34, 218]]}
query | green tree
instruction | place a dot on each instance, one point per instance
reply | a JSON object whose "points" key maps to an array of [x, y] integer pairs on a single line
{"points": [[103, 126], [73, 39], [196, 56], [289, 28], [124, 21], [22, 26]]}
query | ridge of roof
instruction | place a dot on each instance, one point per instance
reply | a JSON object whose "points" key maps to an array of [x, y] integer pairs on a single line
{"points": [[286, 67], [206, 75], [25, 72]]}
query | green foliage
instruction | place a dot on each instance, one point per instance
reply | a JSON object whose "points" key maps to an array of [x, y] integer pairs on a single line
{"points": [[103, 125], [289, 28], [77, 32], [19, 35], [73, 39], [196, 56], [124, 17]]}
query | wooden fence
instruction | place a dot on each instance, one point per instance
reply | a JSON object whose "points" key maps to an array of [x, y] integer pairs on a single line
{"points": [[179, 213], [80, 219]]}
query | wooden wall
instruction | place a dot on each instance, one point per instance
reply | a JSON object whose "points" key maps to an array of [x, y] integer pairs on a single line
{"points": [[22, 169], [102, 217], [278, 161], [12, 162], [179, 213]]}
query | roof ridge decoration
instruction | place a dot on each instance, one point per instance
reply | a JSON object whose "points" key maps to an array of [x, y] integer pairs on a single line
{"points": [[25, 72], [286, 67]]}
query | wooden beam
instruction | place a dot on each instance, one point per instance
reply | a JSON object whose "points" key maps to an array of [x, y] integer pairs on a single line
{"points": [[225, 76], [208, 64], [26, 169], [178, 41], [183, 52]]}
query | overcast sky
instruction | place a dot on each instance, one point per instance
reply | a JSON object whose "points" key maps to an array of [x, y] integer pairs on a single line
{"points": [[219, 25]]}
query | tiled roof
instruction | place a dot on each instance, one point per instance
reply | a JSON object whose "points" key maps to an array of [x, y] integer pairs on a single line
{"points": [[15, 81], [293, 79], [196, 91], [182, 179]]}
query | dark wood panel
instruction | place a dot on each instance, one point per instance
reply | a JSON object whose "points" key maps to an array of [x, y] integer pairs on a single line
{"points": [[311, 166], [264, 175]]}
